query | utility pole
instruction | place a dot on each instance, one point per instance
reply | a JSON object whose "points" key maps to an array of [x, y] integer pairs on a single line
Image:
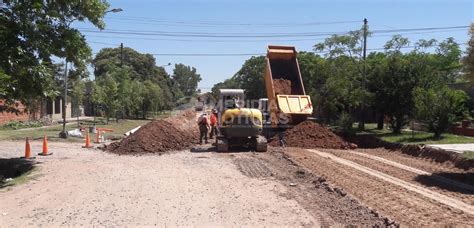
{"points": [[63, 134], [364, 77], [121, 54], [121, 66]]}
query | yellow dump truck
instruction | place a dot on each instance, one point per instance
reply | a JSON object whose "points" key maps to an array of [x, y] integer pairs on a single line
{"points": [[288, 103]]}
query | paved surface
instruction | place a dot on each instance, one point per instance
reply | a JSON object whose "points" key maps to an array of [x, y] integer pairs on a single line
{"points": [[459, 148]]}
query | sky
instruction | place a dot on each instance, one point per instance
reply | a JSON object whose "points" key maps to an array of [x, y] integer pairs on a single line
{"points": [[311, 20]]}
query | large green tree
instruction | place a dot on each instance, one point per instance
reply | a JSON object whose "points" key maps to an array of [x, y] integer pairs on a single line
{"points": [[439, 107], [250, 77], [468, 59], [186, 79], [32, 33]]}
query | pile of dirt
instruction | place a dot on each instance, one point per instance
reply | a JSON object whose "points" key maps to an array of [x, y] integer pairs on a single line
{"points": [[282, 86], [170, 134], [309, 134]]}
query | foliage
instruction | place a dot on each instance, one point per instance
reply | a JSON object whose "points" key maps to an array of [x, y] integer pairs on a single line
{"points": [[105, 95], [77, 94], [186, 79], [345, 122], [142, 86], [250, 77], [15, 125], [468, 59], [33, 33], [439, 107]]}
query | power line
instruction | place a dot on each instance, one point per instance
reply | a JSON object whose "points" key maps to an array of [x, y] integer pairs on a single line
{"points": [[227, 23], [261, 54], [260, 40], [201, 40], [252, 35]]}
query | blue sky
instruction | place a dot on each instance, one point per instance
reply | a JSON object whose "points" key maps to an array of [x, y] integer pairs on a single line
{"points": [[250, 16]]}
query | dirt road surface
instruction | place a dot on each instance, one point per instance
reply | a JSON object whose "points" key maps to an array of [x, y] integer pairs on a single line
{"points": [[413, 191], [199, 187], [79, 187]]}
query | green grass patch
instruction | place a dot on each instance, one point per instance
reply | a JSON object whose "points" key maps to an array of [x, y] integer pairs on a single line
{"points": [[414, 137], [119, 128], [468, 154]]}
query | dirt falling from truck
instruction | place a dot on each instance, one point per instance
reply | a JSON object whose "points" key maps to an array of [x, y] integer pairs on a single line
{"points": [[309, 134], [174, 133]]}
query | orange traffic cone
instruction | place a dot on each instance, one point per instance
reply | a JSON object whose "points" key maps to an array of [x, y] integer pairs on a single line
{"points": [[27, 149], [97, 137], [45, 147], [88, 141]]}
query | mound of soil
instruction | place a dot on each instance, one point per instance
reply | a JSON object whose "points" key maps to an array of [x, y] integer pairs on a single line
{"points": [[309, 134], [158, 136], [282, 86]]}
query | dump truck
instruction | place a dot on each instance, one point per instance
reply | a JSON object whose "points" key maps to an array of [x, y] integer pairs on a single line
{"points": [[288, 103], [237, 125]]}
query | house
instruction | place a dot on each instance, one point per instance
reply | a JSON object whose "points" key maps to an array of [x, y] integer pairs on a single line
{"points": [[49, 109]]}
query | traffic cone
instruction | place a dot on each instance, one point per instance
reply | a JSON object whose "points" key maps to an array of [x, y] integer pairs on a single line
{"points": [[88, 141], [97, 136], [27, 149], [45, 147]]}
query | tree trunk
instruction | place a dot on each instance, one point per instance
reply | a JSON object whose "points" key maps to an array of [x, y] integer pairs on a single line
{"points": [[380, 121]]}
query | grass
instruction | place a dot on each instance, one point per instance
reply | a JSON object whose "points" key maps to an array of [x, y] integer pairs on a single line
{"points": [[119, 128], [468, 154], [417, 137]]}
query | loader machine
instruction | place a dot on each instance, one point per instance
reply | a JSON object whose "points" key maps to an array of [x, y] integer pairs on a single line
{"points": [[238, 126]]}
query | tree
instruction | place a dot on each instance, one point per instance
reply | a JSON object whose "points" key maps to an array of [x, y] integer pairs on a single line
{"points": [[135, 67], [250, 77], [468, 60], [141, 66], [77, 95], [439, 107], [229, 83], [105, 95], [151, 97], [33, 33], [186, 79]]}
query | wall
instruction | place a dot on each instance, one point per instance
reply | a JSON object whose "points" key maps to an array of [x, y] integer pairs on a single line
{"points": [[9, 116]]}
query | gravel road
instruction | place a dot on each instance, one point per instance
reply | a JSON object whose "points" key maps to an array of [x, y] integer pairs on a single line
{"points": [[80, 187]]}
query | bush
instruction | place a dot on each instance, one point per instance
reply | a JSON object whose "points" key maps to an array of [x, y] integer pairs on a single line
{"points": [[20, 125], [439, 107], [344, 123]]}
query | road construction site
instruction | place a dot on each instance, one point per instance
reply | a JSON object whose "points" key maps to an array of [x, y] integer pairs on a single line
{"points": [[299, 174], [188, 184]]}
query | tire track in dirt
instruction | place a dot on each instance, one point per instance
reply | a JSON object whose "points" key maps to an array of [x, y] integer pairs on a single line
{"points": [[406, 207], [422, 163], [469, 209], [331, 207], [461, 191]]}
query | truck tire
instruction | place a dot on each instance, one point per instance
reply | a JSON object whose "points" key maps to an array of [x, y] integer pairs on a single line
{"points": [[222, 145], [261, 144]]}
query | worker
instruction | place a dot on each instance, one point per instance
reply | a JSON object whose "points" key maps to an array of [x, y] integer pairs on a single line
{"points": [[204, 125], [213, 123]]}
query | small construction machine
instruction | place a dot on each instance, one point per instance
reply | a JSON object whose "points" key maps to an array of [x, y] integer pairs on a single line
{"points": [[238, 126], [288, 103]]}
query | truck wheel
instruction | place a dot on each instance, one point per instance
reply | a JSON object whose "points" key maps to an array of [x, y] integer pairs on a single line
{"points": [[222, 145], [261, 144]]}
